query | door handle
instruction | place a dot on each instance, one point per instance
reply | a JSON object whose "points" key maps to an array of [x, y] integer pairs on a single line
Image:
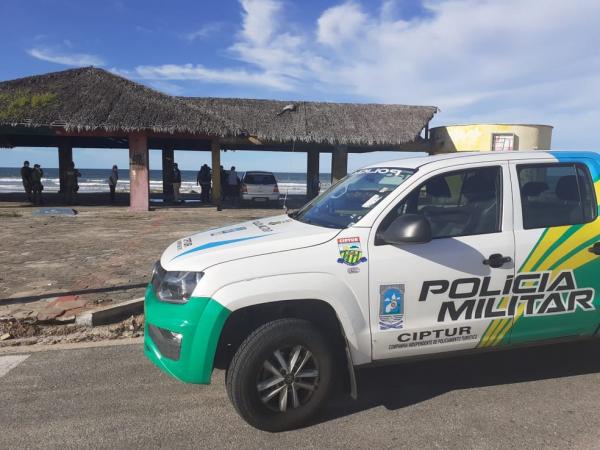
{"points": [[595, 249], [497, 260]]}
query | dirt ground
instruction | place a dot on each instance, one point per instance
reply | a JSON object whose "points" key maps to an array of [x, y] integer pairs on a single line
{"points": [[54, 267]]}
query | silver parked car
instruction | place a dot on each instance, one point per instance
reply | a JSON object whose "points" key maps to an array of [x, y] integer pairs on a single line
{"points": [[259, 187]]}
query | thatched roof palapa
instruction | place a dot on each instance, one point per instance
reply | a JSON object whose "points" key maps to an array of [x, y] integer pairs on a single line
{"points": [[89, 99], [320, 122], [94, 99]]}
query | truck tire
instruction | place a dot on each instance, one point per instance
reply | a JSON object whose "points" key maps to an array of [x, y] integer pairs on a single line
{"points": [[265, 392]]}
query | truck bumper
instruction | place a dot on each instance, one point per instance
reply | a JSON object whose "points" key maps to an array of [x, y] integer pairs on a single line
{"points": [[181, 339]]}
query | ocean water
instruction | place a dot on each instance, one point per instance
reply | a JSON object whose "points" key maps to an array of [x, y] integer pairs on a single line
{"points": [[96, 180]]}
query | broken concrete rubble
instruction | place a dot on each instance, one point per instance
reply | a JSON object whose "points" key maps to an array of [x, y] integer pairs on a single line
{"points": [[30, 333]]}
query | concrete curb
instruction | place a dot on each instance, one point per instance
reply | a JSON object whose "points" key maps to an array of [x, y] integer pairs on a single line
{"points": [[110, 314]]}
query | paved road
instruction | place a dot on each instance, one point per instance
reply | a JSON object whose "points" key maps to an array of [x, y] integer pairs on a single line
{"points": [[111, 397]]}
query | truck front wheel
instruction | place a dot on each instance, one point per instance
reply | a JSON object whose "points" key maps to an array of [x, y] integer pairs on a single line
{"points": [[280, 375]]}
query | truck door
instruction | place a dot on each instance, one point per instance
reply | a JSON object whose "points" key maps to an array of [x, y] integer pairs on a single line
{"points": [[446, 294], [557, 231]]}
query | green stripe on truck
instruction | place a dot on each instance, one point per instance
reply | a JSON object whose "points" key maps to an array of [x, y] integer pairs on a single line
{"points": [[200, 321]]}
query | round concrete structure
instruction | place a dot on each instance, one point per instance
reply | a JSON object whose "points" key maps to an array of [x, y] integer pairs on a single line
{"points": [[489, 137]]}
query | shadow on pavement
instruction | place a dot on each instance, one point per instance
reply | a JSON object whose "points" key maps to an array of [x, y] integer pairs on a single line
{"points": [[402, 385]]}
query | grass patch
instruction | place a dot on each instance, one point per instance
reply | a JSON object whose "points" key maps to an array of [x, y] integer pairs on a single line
{"points": [[19, 103]]}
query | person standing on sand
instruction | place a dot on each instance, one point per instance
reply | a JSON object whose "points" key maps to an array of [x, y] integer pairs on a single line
{"points": [[204, 177], [26, 178], [112, 182], [176, 182], [71, 185], [233, 184], [36, 184]]}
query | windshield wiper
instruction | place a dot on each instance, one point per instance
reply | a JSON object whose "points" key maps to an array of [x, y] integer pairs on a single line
{"points": [[302, 219], [326, 224]]}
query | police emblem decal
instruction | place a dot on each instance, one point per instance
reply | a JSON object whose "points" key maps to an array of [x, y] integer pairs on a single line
{"points": [[350, 251], [391, 307]]}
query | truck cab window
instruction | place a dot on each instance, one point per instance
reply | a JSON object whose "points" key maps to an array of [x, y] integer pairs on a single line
{"points": [[554, 195], [460, 203]]}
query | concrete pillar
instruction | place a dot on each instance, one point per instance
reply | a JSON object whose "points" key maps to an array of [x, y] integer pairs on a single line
{"points": [[139, 180], [339, 163], [312, 174], [168, 157], [65, 156], [215, 149]]}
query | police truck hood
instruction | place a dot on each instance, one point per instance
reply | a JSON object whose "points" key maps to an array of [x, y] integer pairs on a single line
{"points": [[253, 238]]}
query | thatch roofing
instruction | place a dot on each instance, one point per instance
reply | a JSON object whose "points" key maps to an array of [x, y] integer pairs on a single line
{"points": [[93, 99], [319, 122]]}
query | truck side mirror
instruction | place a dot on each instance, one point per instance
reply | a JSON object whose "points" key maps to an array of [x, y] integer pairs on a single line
{"points": [[408, 228]]}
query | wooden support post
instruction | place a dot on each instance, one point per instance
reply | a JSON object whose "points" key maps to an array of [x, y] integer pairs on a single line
{"points": [[339, 163], [139, 180], [168, 157], [312, 174], [65, 156], [215, 149]]}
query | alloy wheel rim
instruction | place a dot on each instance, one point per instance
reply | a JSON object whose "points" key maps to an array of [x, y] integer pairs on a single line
{"points": [[288, 378]]}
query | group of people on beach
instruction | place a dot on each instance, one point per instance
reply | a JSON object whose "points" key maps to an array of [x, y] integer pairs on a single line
{"points": [[230, 183], [32, 183], [203, 180], [69, 185]]}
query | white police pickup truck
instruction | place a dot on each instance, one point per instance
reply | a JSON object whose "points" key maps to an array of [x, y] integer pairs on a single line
{"points": [[420, 256]]}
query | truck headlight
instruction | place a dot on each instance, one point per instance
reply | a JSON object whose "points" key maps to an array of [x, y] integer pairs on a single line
{"points": [[174, 287]]}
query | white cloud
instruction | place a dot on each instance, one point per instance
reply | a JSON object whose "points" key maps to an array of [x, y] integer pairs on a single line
{"points": [[271, 57], [260, 20], [340, 24], [125, 73], [478, 60], [267, 43], [203, 32], [66, 59], [389, 10], [200, 73], [167, 87]]}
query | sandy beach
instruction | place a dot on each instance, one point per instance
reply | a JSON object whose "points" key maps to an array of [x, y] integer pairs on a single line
{"points": [[102, 254]]}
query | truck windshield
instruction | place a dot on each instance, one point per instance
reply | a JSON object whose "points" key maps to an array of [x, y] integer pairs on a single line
{"points": [[347, 201]]}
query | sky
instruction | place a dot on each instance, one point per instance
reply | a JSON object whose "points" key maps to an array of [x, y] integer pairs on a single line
{"points": [[514, 61]]}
